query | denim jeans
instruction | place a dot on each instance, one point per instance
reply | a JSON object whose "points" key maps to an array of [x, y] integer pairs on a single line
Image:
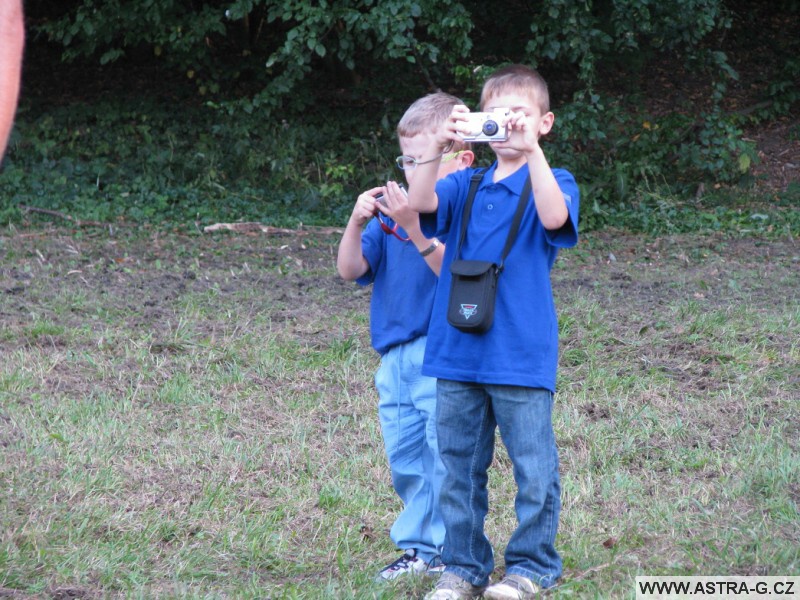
{"points": [[467, 416], [407, 412]]}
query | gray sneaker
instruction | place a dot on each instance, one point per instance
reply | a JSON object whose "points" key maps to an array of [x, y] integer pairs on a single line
{"points": [[452, 587], [512, 587]]}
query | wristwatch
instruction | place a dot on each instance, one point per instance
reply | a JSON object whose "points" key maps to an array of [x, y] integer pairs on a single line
{"points": [[434, 245]]}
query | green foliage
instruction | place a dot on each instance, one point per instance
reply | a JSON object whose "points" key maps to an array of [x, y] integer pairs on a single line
{"points": [[278, 43], [585, 34], [783, 92], [656, 211], [275, 43], [302, 99], [153, 164], [618, 149]]}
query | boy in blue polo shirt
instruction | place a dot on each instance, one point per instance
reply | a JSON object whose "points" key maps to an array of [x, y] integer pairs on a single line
{"points": [[391, 253], [506, 376]]}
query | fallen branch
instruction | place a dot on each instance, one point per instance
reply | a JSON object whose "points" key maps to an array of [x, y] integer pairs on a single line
{"points": [[753, 108], [60, 215], [594, 569], [268, 229]]}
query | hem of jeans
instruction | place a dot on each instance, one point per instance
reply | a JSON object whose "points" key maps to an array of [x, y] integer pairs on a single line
{"points": [[543, 581], [427, 554], [480, 582]]}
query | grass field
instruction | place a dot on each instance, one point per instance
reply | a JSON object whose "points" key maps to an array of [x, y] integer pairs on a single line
{"points": [[194, 416]]}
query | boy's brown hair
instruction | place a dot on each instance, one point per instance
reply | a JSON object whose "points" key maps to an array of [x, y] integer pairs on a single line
{"points": [[517, 79], [426, 114]]}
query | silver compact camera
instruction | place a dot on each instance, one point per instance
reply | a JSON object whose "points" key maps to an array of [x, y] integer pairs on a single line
{"points": [[485, 126]]}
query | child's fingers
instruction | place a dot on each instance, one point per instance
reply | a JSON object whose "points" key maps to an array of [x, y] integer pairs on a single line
{"points": [[366, 204], [394, 198], [454, 123], [517, 120], [396, 192]]}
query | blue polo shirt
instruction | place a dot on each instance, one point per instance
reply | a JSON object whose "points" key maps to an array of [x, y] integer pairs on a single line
{"points": [[521, 348], [403, 287]]}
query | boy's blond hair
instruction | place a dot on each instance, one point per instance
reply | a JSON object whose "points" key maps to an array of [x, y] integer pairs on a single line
{"points": [[426, 114], [519, 79]]}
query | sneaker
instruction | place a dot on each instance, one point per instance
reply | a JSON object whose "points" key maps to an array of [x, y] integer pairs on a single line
{"points": [[512, 587], [452, 587], [408, 563], [435, 568]]}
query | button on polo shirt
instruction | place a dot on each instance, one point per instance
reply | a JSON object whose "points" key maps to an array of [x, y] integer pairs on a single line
{"points": [[492, 213]]}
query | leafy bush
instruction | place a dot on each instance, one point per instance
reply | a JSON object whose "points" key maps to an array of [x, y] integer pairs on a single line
{"points": [[274, 44], [192, 167], [160, 163], [262, 148], [618, 149], [277, 43]]}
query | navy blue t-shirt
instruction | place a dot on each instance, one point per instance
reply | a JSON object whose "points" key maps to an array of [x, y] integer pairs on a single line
{"points": [[521, 348], [403, 290]]}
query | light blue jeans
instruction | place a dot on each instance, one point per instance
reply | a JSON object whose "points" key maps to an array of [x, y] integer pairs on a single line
{"points": [[407, 412], [467, 415]]}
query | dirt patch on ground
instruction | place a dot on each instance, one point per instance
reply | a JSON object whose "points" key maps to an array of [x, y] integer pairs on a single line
{"points": [[669, 304], [53, 279]]}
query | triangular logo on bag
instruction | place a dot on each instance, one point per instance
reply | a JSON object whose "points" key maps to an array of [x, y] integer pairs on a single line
{"points": [[468, 310]]}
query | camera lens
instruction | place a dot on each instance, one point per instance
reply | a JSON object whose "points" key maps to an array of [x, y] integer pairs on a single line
{"points": [[490, 128]]}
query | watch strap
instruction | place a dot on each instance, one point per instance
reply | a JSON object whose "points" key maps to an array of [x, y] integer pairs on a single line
{"points": [[434, 245]]}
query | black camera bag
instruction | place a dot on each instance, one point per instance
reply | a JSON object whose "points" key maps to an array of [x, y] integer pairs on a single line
{"points": [[472, 292], [473, 283]]}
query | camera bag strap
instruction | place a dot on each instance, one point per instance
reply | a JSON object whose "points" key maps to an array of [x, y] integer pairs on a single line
{"points": [[512, 234], [473, 283]]}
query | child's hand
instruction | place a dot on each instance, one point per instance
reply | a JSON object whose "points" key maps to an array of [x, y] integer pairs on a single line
{"points": [[525, 130], [366, 206], [527, 138], [395, 205], [452, 130]]}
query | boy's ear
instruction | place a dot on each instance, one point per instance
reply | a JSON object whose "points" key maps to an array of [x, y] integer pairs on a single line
{"points": [[465, 159], [546, 124]]}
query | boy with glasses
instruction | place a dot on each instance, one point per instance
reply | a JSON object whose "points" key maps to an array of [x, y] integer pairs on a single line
{"points": [[504, 377], [402, 264]]}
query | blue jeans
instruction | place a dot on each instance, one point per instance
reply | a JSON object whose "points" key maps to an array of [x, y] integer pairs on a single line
{"points": [[407, 412], [467, 415]]}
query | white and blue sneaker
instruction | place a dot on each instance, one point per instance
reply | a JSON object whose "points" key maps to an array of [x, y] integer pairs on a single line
{"points": [[435, 567], [405, 565]]}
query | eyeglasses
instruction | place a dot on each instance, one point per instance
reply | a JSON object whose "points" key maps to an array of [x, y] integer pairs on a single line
{"points": [[407, 163], [391, 230]]}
